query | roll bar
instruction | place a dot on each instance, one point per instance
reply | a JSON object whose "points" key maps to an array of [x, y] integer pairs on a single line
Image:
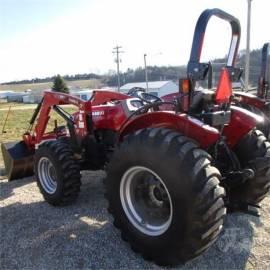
{"points": [[197, 70], [264, 79], [265, 50]]}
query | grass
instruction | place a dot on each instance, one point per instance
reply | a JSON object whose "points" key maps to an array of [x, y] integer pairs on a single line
{"points": [[6, 105], [23, 87], [18, 122], [42, 86]]}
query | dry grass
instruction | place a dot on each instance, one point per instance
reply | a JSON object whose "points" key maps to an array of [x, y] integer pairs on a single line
{"points": [[42, 86], [23, 87], [5, 105]]}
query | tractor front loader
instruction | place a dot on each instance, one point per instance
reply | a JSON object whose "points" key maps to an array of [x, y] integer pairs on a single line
{"points": [[19, 156], [171, 175]]}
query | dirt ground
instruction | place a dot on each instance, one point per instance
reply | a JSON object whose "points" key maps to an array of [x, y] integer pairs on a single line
{"points": [[35, 235]]}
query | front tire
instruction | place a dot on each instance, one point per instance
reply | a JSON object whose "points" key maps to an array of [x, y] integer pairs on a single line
{"points": [[165, 196], [57, 173]]}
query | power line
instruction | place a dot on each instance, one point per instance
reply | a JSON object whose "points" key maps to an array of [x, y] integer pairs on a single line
{"points": [[118, 52]]}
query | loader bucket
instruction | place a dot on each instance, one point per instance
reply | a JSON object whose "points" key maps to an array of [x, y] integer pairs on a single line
{"points": [[18, 160]]}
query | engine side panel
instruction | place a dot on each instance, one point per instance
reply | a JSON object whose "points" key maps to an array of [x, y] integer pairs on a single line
{"points": [[108, 117], [102, 97]]}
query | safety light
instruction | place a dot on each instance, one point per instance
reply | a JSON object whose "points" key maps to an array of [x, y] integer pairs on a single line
{"points": [[184, 86]]}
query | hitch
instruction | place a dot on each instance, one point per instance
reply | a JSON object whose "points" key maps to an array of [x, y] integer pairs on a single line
{"points": [[237, 178], [260, 164], [247, 208]]}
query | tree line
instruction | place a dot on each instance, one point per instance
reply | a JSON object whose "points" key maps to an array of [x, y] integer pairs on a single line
{"points": [[156, 73]]}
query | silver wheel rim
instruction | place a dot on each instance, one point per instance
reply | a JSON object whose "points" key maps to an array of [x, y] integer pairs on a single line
{"points": [[146, 201], [47, 175]]}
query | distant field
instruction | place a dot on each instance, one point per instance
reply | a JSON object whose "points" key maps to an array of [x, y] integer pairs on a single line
{"points": [[18, 119], [5, 105], [42, 86]]}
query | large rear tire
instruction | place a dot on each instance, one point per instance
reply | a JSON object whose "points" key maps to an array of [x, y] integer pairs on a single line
{"points": [[165, 196], [254, 145], [57, 173]]}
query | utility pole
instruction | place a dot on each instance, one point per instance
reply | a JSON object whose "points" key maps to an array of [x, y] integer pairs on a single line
{"points": [[146, 72], [247, 68], [146, 69], [116, 50]]}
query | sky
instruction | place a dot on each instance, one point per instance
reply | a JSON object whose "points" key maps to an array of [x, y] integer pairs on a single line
{"points": [[40, 38]]}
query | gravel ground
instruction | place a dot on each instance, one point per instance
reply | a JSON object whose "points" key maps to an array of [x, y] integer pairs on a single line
{"points": [[35, 235]]}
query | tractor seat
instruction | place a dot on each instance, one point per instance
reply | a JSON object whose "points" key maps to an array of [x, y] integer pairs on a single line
{"points": [[207, 110], [201, 97], [130, 105]]}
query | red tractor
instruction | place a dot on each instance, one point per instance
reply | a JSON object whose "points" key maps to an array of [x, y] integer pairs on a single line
{"points": [[259, 104], [171, 175]]}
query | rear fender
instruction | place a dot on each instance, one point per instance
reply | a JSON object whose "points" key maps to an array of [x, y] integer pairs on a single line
{"points": [[242, 122], [184, 124], [250, 99]]}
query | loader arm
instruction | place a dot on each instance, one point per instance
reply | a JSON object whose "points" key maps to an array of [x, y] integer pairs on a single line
{"points": [[50, 101], [78, 126]]}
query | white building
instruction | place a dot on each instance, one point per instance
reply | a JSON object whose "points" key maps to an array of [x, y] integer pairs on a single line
{"points": [[16, 97], [157, 88], [5, 93]]}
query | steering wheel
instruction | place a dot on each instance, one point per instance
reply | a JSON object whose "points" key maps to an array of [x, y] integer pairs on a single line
{"points": [[140, 93]]}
